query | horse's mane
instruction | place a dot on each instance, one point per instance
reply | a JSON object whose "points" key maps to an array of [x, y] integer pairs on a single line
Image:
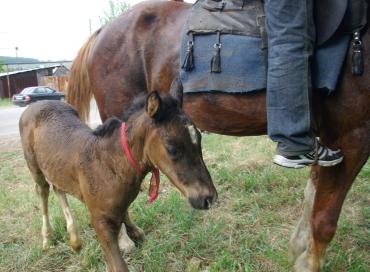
{"points": [[137, 105]]}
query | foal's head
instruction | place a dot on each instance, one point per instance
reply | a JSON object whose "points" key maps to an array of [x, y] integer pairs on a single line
{"points": [[173, 144]]}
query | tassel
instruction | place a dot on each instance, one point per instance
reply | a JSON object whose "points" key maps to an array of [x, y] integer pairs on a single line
{"points": [[188, 63], [216, 59], [357, 55]]}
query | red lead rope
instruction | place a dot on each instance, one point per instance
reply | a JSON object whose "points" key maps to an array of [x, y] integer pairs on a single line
{"points": [[154, 180]]}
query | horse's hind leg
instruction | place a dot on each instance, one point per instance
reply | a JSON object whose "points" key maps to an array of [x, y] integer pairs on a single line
{"points": [[126, 245], [298, 241], [74, 237], [129, 230], [332, 185], [42, 189]]}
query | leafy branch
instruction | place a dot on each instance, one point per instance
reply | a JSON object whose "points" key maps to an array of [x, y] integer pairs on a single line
{"points": [[116, 7]]}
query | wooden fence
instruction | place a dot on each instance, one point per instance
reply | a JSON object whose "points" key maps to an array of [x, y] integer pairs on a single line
{"points": [[59, 83]]}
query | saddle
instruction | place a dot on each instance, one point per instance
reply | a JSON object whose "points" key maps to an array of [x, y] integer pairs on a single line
{"points": [[225, 37]]}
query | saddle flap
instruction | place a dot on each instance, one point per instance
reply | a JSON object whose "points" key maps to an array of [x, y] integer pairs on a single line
{"points": [[328, 16], [232, 17]]}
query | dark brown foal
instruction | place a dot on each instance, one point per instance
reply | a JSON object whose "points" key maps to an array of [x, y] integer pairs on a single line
{"points": [[91, 165]]}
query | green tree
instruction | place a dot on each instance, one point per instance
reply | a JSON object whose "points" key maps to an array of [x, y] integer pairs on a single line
{"points": [[116, 7], [2, 69]]}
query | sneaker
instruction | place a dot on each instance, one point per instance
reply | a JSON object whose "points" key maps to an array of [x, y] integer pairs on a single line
{"points": [[323, 157]]}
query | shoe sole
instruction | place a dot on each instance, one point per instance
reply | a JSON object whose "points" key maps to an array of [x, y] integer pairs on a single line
{"points": [[296, 164]]}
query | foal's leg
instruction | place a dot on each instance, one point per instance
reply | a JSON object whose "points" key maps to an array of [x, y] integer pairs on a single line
{"points": [[133, 230], [74, 237], [107, 233], [42, 189], [333, 184]]}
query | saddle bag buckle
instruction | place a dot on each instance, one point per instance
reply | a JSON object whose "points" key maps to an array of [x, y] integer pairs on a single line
{"points": [[357, 55]]}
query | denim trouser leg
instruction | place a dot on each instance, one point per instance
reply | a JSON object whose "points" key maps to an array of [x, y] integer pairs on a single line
{"points": [[291, 34]]}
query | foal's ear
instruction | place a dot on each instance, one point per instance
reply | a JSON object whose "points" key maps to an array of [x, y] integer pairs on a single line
{"points": [[153, 105], [176, 90]]}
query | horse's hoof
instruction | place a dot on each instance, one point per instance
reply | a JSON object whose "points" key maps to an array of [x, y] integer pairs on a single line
{"points": [[295, 249], [127, 246], [305, 263]]}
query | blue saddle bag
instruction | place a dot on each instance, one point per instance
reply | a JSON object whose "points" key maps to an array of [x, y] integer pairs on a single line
{"points": [[223, 49]]}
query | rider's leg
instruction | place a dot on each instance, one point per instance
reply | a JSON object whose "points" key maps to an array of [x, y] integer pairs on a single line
{"points": [[291, 35]]}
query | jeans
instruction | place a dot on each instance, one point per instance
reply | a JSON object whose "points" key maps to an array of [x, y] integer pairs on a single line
{"points": [[291, 36]]}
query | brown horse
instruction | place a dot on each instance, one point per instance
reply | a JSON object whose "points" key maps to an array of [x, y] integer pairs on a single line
{"points": [[139, 52], [92, 166]]}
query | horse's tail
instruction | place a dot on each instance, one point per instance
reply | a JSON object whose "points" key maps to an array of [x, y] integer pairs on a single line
{"points": [[79, 85]]}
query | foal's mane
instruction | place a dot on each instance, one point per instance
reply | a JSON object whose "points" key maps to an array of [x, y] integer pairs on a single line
{"points": [[169, 108], [108, 127]]}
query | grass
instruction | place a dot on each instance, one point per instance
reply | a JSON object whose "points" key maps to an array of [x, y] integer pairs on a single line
{"points": [[248, 230], [4, 102]]}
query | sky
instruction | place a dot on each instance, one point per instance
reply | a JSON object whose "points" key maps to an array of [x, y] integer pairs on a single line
{"points": [[48, 29]]}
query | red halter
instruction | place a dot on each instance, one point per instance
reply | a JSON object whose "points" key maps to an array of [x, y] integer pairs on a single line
{"points": [[154, 180]]}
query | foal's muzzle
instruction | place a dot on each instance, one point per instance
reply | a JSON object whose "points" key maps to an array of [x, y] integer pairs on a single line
{"points": [[203, 202]]}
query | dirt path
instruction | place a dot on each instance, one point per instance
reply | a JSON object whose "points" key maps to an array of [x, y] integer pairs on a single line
{"points": [[10, 143]]}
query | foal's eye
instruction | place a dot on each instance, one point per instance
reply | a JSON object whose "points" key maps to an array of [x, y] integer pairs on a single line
{"points": [[173, 151]]}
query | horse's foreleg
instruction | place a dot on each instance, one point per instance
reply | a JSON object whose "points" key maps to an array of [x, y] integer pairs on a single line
{"points": [[74, 237], [133, 231], [332, 185]]}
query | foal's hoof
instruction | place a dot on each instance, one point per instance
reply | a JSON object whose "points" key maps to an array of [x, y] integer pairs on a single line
{"points": [[138, 234], [46, 245], [76, 244], [74, 238]]}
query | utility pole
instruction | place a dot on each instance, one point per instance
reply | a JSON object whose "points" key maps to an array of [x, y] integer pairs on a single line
{"points": [[8, 79], [16, 56]]}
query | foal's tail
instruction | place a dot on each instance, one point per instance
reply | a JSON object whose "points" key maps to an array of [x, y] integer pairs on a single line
{"points": [[79, 85]]}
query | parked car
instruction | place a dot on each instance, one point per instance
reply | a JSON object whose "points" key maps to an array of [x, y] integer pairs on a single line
{"points": [[33, 94]]}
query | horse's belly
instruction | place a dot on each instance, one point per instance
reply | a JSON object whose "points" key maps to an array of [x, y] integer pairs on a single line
{"points": [[228, 114]]}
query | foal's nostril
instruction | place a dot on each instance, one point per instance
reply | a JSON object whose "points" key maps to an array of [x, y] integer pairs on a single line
{"points": [[208, 202]]}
